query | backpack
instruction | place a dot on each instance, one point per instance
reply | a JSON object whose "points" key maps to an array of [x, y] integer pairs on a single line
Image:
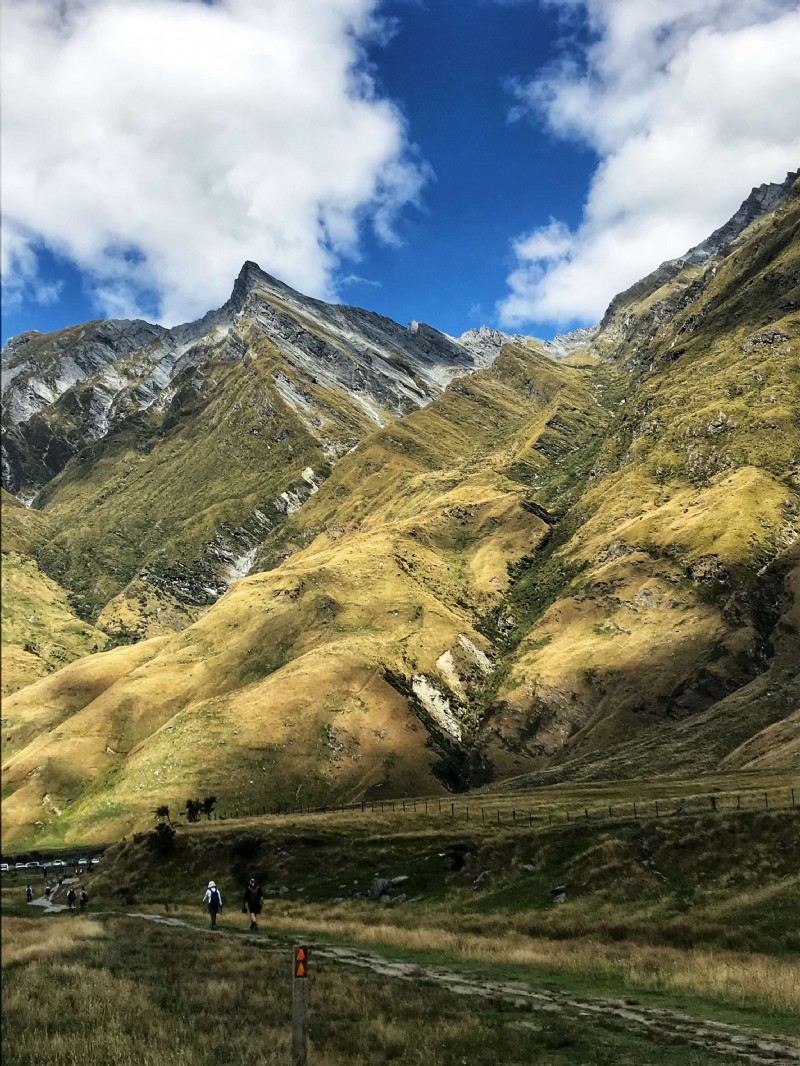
{"points": [[215, 900]]}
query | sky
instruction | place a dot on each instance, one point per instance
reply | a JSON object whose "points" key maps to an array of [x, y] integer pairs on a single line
{"points": [[513, 163]]}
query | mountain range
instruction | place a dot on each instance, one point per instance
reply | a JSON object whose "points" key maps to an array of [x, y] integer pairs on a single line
{"points": [[295, 552]]}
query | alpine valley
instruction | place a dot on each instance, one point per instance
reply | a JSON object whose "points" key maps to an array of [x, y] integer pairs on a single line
{"points": [[296, 553]]}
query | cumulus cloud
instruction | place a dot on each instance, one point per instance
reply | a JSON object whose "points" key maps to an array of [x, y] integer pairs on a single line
{"points": [[688, 104], [159, 144]]}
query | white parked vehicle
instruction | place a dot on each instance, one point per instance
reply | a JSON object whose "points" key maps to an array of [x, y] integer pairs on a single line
{"points": [[19, 865], [95, 860], [4, 867], [58, 862]]}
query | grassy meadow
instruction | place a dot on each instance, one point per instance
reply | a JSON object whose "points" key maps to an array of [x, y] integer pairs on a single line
{"points": [[89, 992]]}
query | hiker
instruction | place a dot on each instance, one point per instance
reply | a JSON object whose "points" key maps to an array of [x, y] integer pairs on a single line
{"points": [[213, 898], [71, 897], [83, 900], [252, 902], [47, 892], [28, 893]]}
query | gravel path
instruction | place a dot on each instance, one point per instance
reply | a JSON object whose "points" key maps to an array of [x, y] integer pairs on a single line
{"points": [[747, 1045]]}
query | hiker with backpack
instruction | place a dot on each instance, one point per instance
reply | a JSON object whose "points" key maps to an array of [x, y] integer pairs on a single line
{"points": [[252, 903], [28, 893], [71, 897], [83, 900], [213, 898]]}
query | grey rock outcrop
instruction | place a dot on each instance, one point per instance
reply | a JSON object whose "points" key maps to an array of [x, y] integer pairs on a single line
{"points": [[65, 390]]}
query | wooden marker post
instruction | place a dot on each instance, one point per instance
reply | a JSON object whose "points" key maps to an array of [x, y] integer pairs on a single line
{"points": [[300, 1006]]}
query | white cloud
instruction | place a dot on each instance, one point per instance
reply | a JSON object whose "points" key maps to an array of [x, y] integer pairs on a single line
{"points": [[161, 143], [688, 103]]}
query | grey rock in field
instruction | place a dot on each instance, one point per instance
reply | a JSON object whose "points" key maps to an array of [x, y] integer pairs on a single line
{"points": [[395, 881], [378, 888], [480, 880], [559, 893], [337, 900], [528, 866], [398, 899]]}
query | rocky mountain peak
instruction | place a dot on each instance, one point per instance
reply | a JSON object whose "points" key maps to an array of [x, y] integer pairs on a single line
{"points": [[250, 280], [762, 199]]}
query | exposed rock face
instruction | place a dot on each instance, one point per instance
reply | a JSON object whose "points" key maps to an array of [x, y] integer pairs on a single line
{"points": [[486, 342], [566, 344], [67, 389], [620, 325], [762, 200]]}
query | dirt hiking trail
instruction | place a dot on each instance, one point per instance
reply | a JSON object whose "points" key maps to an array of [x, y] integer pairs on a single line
{"points": [[747, 1045]]}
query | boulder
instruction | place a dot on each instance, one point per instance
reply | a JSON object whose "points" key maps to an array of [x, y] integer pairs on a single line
{"points": [[378, 888]]}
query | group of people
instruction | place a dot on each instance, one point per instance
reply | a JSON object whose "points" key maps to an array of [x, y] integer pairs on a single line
{"points": [[251, 905], [81, 897]]}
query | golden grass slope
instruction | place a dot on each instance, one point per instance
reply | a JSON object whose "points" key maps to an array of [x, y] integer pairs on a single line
{"points": [[40, 630], [281, 688], [683, 546]]}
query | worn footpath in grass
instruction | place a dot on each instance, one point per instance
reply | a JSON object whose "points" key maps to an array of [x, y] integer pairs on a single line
{"points": [[145, 996]]}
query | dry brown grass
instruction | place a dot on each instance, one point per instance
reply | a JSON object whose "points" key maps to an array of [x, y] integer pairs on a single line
{"points": [[25, 939], [735, 977], [149, 996]]}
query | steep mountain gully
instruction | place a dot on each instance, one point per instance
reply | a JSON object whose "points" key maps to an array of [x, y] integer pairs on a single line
{"points": [[746, 1045]]}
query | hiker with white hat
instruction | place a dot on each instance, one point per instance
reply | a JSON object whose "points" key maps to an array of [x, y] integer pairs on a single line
{"points": [[213, 898]]}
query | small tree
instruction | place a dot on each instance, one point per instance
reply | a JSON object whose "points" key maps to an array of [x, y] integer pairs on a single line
{"points": [[193, 809], [162, 813], [162, 839], [208, 804]]}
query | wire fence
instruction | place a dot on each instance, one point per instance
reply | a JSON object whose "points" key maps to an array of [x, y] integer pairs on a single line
{"points": [[516, 812]]}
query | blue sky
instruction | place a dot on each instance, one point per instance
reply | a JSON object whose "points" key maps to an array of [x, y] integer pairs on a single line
{"points": [[462, 162]]}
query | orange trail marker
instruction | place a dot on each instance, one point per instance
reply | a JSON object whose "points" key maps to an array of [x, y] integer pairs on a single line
{"points": [[300, 1006]]}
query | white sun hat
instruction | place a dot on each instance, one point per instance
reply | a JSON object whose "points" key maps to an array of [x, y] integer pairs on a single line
{"points": [[211, 884]]}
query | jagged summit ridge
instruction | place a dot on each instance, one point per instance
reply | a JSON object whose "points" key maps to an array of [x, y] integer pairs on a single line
{"points": [[63, 390], [762, 199]]}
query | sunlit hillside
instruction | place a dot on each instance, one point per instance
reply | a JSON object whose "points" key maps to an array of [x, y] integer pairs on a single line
{"points": [[553, 568]]}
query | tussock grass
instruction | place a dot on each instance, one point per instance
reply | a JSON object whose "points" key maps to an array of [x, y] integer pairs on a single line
{"points": [[25, 939], [731, 977], [148, 996]]}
